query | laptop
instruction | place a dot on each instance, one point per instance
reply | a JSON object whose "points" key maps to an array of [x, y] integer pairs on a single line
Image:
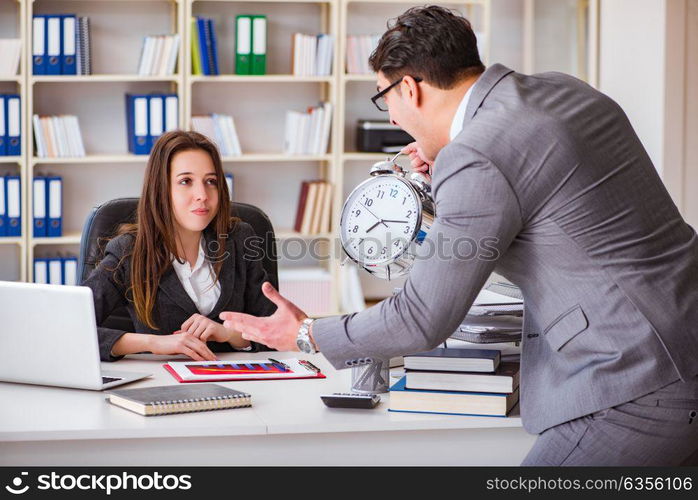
{"points": [[48, 336]]}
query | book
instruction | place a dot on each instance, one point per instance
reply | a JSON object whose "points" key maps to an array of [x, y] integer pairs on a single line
{"points": [[168, 399], [504, 380], [301, 206], [450, 402], [454, 360], [253, 369]]}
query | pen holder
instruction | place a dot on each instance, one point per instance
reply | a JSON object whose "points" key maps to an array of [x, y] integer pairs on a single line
{"points": [[372, 378]]}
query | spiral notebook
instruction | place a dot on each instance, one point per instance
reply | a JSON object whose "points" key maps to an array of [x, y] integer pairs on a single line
{"points": [[168, 399], [256, 369]]}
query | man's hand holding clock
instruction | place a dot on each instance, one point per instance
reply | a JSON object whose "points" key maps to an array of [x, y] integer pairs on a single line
{"points": [[288, 329]]}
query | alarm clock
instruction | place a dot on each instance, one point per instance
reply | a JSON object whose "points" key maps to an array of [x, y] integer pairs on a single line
{"points": [[385, 218]]}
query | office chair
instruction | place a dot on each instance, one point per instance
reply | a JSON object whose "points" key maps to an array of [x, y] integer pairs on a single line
{"points": [[104, 220]]}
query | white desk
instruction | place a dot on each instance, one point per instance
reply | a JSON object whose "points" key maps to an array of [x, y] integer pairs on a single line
{"points": [[287, 424]]}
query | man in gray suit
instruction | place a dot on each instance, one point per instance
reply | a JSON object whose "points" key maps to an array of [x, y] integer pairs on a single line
{"points": [[551, 169]]}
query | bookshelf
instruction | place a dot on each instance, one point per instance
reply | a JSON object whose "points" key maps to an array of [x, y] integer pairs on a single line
{"points": [[13, 250], [264, 175]]}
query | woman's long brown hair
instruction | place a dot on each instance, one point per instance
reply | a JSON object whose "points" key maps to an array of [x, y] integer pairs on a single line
{"points": [[154, 230]]}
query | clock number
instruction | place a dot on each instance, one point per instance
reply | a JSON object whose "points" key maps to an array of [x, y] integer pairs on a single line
{"points": [[393, 192], [409, 214], [356, 229], [404, 200], [357, 212], [385, 249], [370, 251], [380, 194], [407, 229], [397, 243], [369, 202]]}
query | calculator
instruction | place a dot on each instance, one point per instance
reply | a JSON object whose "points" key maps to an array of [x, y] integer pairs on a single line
{"points": [[350, 400]]}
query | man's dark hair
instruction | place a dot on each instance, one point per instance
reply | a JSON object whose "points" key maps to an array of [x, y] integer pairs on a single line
{"points": [[431, 42]]}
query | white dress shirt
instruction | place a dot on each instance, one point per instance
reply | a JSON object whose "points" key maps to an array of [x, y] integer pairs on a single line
{"points": [[457, 123], [200, 281]]}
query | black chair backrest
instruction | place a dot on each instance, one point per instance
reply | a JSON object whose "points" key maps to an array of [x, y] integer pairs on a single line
{"points": [[105, 219]]}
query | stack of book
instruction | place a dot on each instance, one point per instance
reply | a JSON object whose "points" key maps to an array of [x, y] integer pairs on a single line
{"points": [[221, 130], [314, 208], [159, 55], [457, 381], [204, 51], [10, 125], [60, 45], [10, 51], [47, 209], [309, 288], [58, 137], [59, 270], [312, 54], [308, 133], [359, 48], [10, 206]]}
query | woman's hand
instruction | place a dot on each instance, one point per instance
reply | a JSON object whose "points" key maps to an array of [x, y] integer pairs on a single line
{"points": [[182, 343], [207, 329]]}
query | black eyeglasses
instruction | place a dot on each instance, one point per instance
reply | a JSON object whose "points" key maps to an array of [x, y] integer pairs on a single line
{"points": [[379, 100]]}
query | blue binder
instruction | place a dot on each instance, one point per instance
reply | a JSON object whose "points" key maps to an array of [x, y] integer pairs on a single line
{"points": [[54, 45], [40, 193], [41, 270], [3, 208], [39, 45], [3, 126], [13, 124], [70, 270], [54, 199], [156, 118], [231, 185], [214, 47], [137, 123], [13, 203], [55, 271], [69, 44], [204, 45]]}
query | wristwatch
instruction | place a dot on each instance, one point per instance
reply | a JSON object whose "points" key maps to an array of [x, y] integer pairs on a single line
{"points": [[303, 339]]}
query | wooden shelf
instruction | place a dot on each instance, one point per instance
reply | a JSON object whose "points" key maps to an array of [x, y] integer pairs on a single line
{"points": [[14, 79], [101, 78], [92, 159], [10, 159], [5, 240], [260, 79], [67, 239], [274, 158], [264, 1], [371, 77]]}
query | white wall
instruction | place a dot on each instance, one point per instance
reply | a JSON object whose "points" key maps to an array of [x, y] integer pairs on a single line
{"points": [[632, 45]]}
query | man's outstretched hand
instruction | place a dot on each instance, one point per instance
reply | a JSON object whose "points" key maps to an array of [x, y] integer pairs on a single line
{"points": [[278, 331]]}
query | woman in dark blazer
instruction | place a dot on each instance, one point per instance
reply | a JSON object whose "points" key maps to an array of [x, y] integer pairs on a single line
{"points": [[183, 262]]}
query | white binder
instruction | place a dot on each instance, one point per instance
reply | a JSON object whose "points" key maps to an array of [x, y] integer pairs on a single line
{"points": [[171, 113], [55, 272]]}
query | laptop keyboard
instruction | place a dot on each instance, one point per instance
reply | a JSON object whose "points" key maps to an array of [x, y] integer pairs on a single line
{"points": [[106, 380]]}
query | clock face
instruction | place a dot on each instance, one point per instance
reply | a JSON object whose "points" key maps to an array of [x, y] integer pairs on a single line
{"points": [[380, 219]]}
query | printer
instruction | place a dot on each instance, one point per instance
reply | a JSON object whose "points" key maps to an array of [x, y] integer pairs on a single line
{"points": [[380, 137]]}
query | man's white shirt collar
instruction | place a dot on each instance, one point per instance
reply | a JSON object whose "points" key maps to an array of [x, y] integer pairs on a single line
{"points": [[457, 123]]}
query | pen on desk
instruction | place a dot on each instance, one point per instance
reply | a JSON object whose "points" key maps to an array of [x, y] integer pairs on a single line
{"points": [[282, 365], [309, 365]]}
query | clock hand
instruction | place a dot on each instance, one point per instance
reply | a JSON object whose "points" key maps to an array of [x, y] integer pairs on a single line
{"points": [[379, 219], [400, 221], [377, 223]]}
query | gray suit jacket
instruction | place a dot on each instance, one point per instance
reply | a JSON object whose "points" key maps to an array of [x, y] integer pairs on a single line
{"points": [[549, 172], [241, 279]]}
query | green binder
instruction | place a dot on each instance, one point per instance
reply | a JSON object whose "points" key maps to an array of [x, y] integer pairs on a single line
{"points": [[259, 45], [243, 45], [195, 49]]}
